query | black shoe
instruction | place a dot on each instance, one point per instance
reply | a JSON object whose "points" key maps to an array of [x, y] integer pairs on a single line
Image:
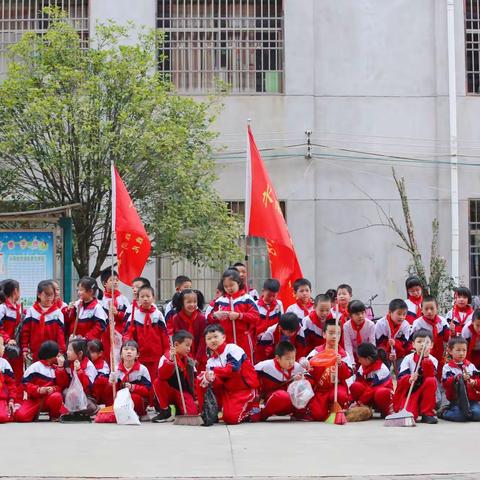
{"points": [[75, 417], [163, 416], [429, 419]]}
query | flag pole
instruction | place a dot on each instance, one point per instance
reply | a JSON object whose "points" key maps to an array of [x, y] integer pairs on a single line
{"points": [[248, 193], [111, 319]]}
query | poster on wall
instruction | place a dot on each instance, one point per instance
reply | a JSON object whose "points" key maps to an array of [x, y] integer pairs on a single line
{"points": [[28, 257]]}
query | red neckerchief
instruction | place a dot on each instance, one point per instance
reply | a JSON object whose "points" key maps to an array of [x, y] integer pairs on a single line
{"points": [[98, 363], [116, 294], [189, 321], [43, 313], [126, 377], [433, 323], [287, 374], [377, 365], [89, 305], [454, 364], [418, 303], [59, 302], [343, 311], [16, 308], [147, 322], [315, 319], [456, 314], [305, 308], [473, 340], [357, 329], [269, 308], [394, 328], [219, 350]]}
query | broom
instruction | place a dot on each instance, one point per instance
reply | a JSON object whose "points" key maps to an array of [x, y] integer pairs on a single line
{"points": [[189, 420], [337, 415], [404, 418]]}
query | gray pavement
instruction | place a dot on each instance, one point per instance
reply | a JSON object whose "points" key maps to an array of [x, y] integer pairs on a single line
{"points": [[276, 450]]}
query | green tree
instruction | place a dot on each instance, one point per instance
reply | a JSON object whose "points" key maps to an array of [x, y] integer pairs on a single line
{"points": [[66, 112]]}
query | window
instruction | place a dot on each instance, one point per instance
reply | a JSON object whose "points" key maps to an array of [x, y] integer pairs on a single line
{"points": [[474, 235], [239, 42], [472, 45], [20, 16]]}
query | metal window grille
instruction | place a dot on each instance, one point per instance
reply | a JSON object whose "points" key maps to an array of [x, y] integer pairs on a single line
{"points": [[20, 16], [206, 279], [474, 235], [472, 45], [239, 42]]}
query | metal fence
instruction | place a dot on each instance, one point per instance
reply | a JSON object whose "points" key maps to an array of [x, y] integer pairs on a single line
{"points": [[474, 241], [472, 45], [20, 16], [239, 42]]}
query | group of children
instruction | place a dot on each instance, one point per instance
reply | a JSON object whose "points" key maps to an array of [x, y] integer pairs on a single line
{"points": [[243, 347]]}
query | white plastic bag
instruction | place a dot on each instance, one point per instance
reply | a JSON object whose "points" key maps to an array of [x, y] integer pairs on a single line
{"points": [[75, 398], [123, 408], [300, 392]]}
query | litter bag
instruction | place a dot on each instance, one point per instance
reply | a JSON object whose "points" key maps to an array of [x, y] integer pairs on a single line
{"points": [[123, 408], [210, 408], [75, 398], [300, 392]]}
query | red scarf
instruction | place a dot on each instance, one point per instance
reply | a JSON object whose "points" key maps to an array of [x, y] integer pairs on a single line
{"points": [[116, 294], [394, 328], [16, 308], [147, 322], [454, 364], [219, 350], [377, 365], [357, 329], [287, 374], [418, 303], [343, 311], [473, 340], [189, 321], [468, 310], [316, 319], [306, 309], [433, 323], [89, 305], [269, 308], [43, 313]]}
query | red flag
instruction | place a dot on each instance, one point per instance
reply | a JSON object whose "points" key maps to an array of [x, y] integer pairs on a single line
{"points": [[133, 244], [264, 218]]}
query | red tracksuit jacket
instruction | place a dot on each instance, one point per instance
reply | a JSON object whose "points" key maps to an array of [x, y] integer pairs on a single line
{"points": [[8, 387], [376, 376], [138, 376], [40, 374], [92, 320], [453, 370], [166, 372], [10, 316], [271, 338], [87, 374]]}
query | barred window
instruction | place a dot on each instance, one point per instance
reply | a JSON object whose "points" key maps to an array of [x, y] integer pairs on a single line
{"points": [[20, 16], [239, 42], [472, 45], [474, 237]]}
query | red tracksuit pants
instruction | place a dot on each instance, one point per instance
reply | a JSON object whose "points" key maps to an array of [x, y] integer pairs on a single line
{"points": [[17, 367], [152, 368], [278, 403], [321, 403], [475, 358], [4, 413], [379, 398], [52, 404], [422, 401], [167, 395], [101, 390]]}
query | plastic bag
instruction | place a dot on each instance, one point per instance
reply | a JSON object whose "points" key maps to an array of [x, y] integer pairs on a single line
{"points": [[123, 408], [75, 398], [300, 392], [117, 346], [210, 408]]}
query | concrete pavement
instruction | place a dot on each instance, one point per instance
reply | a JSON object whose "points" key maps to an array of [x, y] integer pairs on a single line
{"points": [[278, 449]]}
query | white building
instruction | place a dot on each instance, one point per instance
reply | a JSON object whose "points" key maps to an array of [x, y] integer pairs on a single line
{"points": [[369, 79]]}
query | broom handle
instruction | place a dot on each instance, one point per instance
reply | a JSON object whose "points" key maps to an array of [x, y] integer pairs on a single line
{"points": [[232, 309], [410, 390], [75, 325], [337, 339], [112, 345], [177, 371]]}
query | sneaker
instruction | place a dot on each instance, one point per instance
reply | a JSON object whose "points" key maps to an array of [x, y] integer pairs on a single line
{"points": [[431, 420], [163, 416], [145, 418]]}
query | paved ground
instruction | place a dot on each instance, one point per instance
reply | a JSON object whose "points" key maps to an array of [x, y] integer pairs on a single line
{"points": [[277, 450]]}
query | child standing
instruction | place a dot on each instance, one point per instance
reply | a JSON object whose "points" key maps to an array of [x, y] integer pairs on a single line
{"points": [[8, 388], [269, 307], [461, 313], [43, 321], [166, 386], [231, 375], [100, 385], [303, 294], [344, 295], [189, 304], [314, 323], [182, 282], [358, 329], [392, 334], [236, 312], [275, 376], [373, 385], [43, 386], [459, 369], [471, 333], [422, 401], [414, 298]]}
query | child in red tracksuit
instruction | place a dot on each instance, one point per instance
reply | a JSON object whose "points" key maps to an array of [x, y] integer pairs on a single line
{"points": [[101, 386], [323, 378], [304, 303], [232, 377], [422, 401], [461, 313], [288, 329], [149, 330], [392, 334], [373, 385], [236, 312], [358, 329], [438, 326], [189, 304], [133, 375], [275, 376], [43, 321], [314, 323], [269, 307], [456, 370], [43, 386], [414, 300], [8, 388], [471, 333], [120, 305], [344, 295], [166, 386], [86, 318]]}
